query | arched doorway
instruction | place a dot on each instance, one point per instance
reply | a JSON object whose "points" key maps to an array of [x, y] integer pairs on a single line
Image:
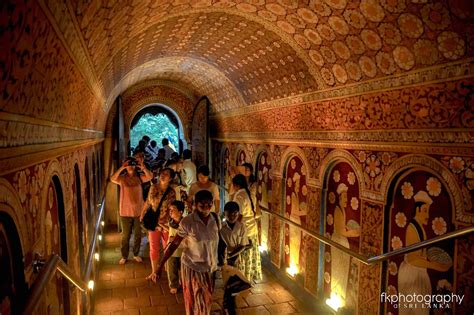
{"points": [[12, 281], [157, 121]]}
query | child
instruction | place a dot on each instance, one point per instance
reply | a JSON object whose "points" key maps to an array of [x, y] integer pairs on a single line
{"points": [[174, 263], [234, 235]]}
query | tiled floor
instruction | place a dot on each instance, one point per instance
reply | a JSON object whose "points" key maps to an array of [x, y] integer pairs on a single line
{"points": [[122, 289]]}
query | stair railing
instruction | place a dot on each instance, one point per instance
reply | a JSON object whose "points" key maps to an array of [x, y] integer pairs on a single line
{"points": [[382, 257], [55, 263]]}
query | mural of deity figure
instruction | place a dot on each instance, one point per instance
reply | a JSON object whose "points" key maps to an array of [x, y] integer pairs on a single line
{"points": [[413, 275], [297, 211], [340, 262]]}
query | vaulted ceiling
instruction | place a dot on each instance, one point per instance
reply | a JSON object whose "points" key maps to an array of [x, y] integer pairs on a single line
{"points": [[238, 53], [246, 52]]}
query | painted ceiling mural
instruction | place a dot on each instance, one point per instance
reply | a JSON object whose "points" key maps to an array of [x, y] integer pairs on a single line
{"points": [[271, 50]]}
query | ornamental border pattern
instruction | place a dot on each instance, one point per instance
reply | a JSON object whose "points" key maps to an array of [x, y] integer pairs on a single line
{"points": [[449, 142], [442, 73]]}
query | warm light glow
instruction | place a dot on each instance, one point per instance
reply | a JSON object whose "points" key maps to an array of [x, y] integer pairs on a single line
{"points": [[100, 237], [335, 302], [102, 223], [91, 285], [292, 270], [96, 256], [262, 248]]}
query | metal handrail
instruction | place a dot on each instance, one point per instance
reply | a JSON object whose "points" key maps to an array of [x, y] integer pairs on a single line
{"points": [[90, 255], [382, 257], [47, 272], [55, 263]]}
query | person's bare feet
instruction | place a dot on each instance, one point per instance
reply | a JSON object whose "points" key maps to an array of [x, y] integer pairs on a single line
{"points": [[138, 259], [122, 261], [173, 290]]}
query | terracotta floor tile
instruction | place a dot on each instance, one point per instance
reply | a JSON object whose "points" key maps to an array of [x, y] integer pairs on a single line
{"points": [[164, 300], [282, 308], [136, 302], [258, 299], [110, 284], [262, 288], [108, 304], [120, 275], [136, 282], [281, 296], [149, 290], [127, 312], [240, 302], [102, 293], [259, 310], [154, 310], [176, 310], [124, 293], [123, 289]]}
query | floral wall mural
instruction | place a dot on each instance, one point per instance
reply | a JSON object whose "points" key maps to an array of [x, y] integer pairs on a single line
{"points": [[343, 219], [37, 211], [421, 209], [264, 194], [365, 182], [296, 208]]}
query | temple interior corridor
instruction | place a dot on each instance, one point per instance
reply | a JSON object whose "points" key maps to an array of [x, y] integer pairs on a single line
{"points": [[122, 289], [351, 123]]}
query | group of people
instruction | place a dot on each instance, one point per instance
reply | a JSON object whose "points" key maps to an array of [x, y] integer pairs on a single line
{"points": [[190, 236]]}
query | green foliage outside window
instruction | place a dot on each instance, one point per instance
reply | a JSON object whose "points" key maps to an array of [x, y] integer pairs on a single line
{"points": [[156, 127]]}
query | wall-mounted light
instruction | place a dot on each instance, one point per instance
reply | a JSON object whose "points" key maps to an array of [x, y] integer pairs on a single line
{"points": [[90, 285], [102, 223], [292, 270], [334, 302], [100, 237], [96, 256]]}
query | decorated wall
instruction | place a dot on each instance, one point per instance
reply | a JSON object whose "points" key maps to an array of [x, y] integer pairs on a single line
{"points": [[361, 188], [32, 199]]}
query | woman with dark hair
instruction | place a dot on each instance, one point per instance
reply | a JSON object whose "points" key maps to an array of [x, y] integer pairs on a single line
{"points": [[204, 183], [200, 229], [130, 177], [250, 264], [159, 199]]}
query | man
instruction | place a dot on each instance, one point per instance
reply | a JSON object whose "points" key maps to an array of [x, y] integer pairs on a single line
{"points": [[199, 257], [168, 150], [131, 203], [413, 278], [189, 168]]}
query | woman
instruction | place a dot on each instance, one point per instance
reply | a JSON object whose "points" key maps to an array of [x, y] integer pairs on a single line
{"points": [[200, 229], [251, 264], [340, 262], [204, 183], [160, 193], [131, 202]]}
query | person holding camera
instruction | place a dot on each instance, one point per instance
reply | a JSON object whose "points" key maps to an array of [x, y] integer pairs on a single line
{"points": [[131, 204]]}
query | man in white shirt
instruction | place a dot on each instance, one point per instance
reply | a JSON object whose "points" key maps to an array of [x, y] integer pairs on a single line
{"points": [[200, 229], [189, 168]]}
